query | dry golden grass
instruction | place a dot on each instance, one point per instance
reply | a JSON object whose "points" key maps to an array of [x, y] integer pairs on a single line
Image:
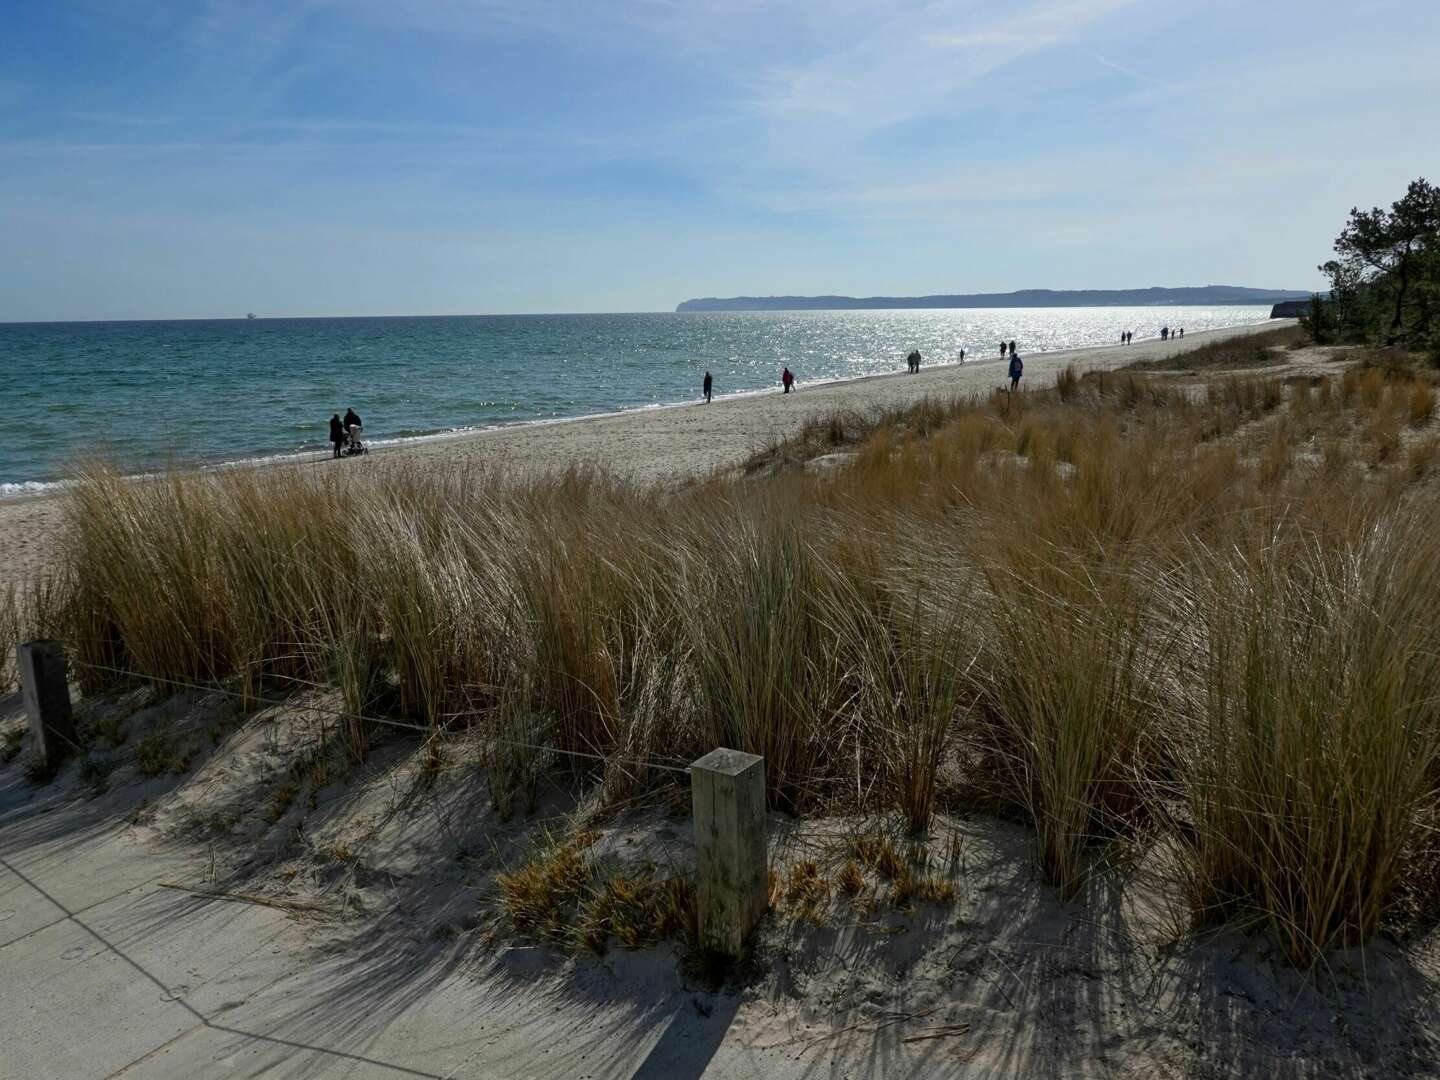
{"points": [[1083, 603], [850, 880]]}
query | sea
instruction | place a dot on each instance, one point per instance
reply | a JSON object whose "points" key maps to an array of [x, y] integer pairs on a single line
{"points": [[146, 395]]}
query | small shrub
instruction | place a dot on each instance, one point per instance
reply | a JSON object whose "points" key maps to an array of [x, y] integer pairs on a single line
{"points": [[559, 896], [109, 726], [879, 854], [850, 880], [807, 889], [541, 896], [902, 887], [638, 911], [933, 890], [157, 753]]}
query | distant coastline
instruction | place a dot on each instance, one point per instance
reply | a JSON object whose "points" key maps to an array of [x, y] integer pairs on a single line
{"points": [[1201, 295]]}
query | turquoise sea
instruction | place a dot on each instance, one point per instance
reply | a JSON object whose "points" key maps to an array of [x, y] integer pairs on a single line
{"points": [[147, 394]]}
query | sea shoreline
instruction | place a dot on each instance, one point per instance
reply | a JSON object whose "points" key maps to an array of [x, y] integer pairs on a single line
{"points": [[661, 443], [51, 487]]}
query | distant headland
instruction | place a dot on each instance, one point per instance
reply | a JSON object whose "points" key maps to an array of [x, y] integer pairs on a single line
{"points": [[1025, 298]]}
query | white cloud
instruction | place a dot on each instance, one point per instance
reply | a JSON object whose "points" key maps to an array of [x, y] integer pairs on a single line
{"points": [[912, 66]]}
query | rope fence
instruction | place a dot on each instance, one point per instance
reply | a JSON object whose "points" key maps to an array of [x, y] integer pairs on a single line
{"points": [[384, 721], [727, 786]]}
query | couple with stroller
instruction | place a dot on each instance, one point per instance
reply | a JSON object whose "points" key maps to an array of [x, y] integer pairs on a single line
{"points": [[345, 434]]}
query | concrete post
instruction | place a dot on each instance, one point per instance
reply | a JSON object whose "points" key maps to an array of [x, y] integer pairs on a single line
{"points": [[733, 892], [47, 698]]}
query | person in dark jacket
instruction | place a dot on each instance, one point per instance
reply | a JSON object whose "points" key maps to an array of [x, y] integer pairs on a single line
{"points": [[787, 379], [1017, 368], [337, 433], [352, 419], [708, 384]]}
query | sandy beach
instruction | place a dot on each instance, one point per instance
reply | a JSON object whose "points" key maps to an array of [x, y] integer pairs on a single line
{"points": [[648, 445]]}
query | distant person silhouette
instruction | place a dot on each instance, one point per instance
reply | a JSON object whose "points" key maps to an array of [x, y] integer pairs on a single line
{"points": [[708, 384], [352, 419], [1182, 331], [787, 379], [337, 433], [962, 356], [1164, 333], [1012, 346], [1003, 347], [1017, 367]]}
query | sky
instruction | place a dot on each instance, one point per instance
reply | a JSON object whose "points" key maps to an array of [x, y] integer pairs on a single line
{"points": [[328, 157]]}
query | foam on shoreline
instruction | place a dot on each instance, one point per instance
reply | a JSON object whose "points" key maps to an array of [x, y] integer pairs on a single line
{"points": [[30, 489]]}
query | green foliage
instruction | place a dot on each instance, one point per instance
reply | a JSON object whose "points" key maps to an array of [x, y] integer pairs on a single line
{"points": [[157, 753], [1385, 281], [1317, 322]]}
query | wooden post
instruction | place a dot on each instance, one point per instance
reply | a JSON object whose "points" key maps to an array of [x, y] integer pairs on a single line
{"points": [[733, 892], [47, 699]]}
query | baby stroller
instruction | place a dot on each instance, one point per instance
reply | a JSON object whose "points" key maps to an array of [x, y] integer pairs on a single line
{"points": [[353, 446]]}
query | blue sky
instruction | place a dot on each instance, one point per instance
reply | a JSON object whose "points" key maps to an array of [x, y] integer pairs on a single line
{"points": [[163, 159]]}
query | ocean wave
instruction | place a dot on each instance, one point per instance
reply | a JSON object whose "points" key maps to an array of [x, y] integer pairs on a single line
{"points": [[23, 488]]}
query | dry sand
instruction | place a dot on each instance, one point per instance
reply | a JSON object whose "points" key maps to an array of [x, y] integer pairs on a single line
{"points": [[388, 956], [649, 445]]}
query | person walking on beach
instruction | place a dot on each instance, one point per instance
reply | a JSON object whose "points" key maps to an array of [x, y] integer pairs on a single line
{"points": [[337, 433], [1017, 368], [1012, 346], [962, 356], [787, 379], [1164, 333], [352, 419], [708, 384], [1003, 347]]}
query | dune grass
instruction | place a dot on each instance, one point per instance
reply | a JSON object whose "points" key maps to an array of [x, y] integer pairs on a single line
{"points": [[1230, 354], [1111, 608]]}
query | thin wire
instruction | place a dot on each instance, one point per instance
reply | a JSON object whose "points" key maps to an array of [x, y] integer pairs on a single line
{"points": [[384, 721], [213, 688]]}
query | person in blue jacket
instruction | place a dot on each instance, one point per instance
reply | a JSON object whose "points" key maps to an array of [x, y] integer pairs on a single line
{"points": [[1017, 368]]}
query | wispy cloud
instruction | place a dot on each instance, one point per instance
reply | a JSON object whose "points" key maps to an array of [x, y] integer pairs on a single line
{"points": [[1122, 69], [119, 119], [916, 63]]}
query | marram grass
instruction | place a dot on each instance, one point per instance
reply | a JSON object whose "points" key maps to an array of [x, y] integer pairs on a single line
{"points": [[1090, 607]]}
